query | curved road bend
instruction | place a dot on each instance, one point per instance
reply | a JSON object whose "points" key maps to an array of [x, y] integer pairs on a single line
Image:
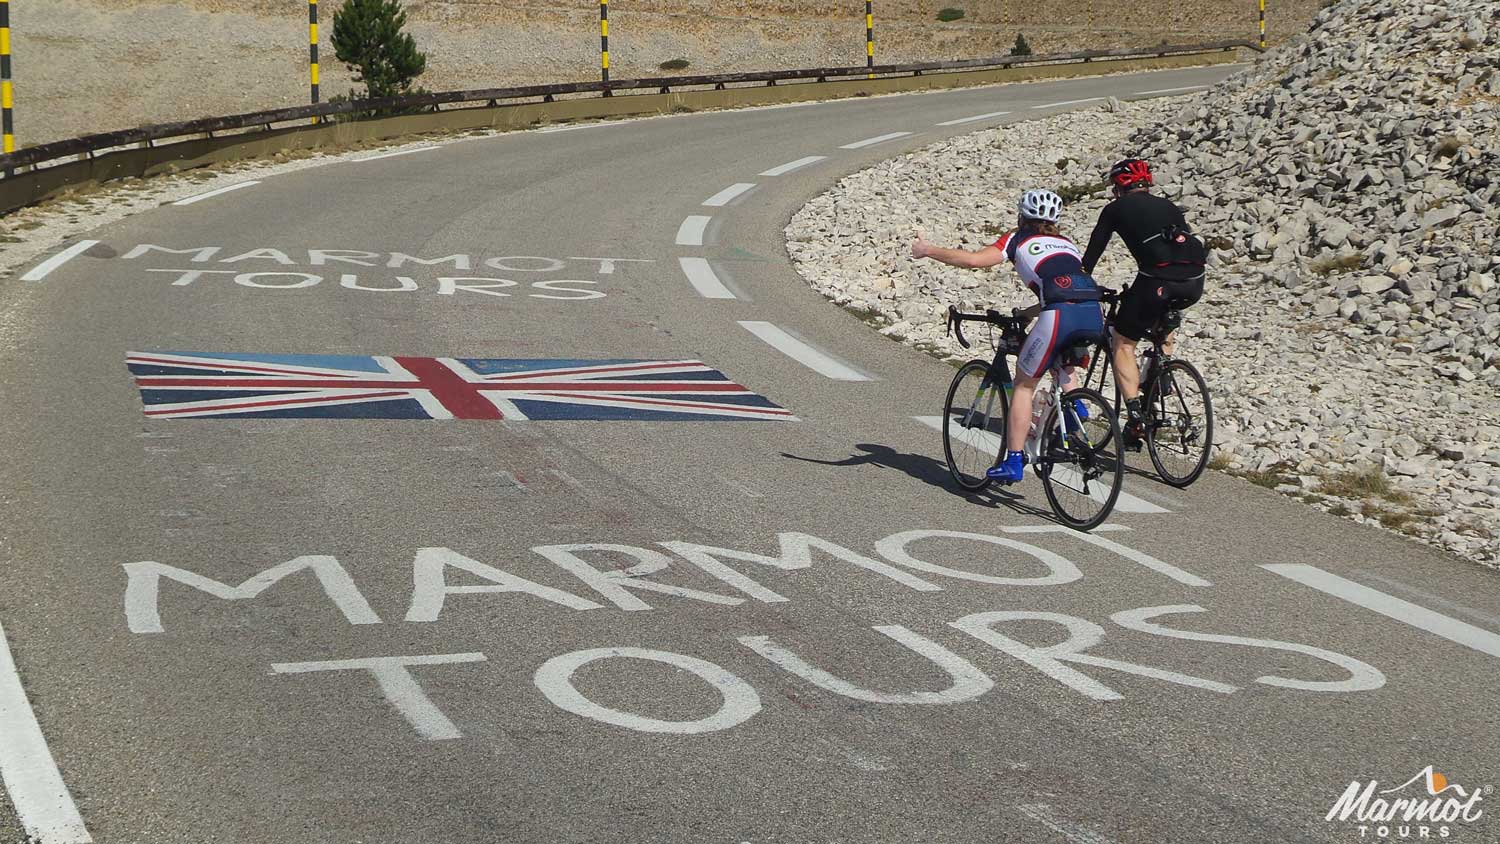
{"points": [[436, 663]]}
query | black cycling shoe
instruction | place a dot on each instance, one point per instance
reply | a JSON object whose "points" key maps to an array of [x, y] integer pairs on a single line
{"points": [[1133, 435]]}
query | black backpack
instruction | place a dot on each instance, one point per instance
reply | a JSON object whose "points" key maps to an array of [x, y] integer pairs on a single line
{"points": [[1174, 254]]}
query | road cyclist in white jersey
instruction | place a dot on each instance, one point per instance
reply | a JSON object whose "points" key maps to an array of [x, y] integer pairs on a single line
{"points": [[1068, 306]]}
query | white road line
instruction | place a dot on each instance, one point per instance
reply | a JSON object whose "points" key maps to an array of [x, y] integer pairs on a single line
{"points": [[30, 774], [878, 139], [213, 193], [690, 233], [801, 352], [704, 280], [1042, 814], [1390, 606], [1168, 90], [727, 195], [783, 169], [397, 152], [1125, 503], [975, 119], [1068, 102], [549, 130], [41, 270], [1432, 599]]}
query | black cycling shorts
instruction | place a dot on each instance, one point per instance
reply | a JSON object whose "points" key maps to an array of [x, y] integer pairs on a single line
{"points": [[1148, 299]]}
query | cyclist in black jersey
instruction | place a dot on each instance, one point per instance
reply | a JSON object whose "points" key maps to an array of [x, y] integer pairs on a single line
{"points": [[1137, 215]]}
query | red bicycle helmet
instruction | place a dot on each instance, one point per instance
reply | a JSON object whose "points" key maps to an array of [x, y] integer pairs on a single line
{"points": [[1130, 173]]}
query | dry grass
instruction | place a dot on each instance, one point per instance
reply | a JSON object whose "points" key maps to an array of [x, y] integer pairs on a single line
{"points": [[1369, 483], [1337, 263]]}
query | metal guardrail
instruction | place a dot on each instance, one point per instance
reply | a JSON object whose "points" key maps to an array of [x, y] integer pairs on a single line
{"points": [[88, 145]]}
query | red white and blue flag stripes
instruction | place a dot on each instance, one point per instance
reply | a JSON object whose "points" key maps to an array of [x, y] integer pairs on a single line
{"points": [[185, 385]]}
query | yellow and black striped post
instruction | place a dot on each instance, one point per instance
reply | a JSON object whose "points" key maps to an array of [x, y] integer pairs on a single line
{"points": [[604, 43], [312, 49], [1262, 24], [7, 95], [870, 35]]}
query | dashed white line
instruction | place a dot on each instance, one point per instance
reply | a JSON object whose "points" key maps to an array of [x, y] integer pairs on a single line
{"points": [[1042, 814], [1390, 606], [213, 193], [36, 788], [727, 195], [690, 233], [783, 169], [40, 271], [398, 152], [1068, 102], [1125, 503], [799, 351], [878, 139], [975, 119], [704, 280], [1433, 599], [1169, 90]]}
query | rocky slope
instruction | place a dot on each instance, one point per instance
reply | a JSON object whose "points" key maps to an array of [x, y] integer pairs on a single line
{"points": [[96, 65], [1351, 332]]}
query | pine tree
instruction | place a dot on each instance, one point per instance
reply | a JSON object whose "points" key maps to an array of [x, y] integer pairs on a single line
{"points": [[367, 38], [1022, 48]]}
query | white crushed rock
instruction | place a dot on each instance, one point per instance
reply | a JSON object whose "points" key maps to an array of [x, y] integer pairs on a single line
{"points": [[1300, 397]]}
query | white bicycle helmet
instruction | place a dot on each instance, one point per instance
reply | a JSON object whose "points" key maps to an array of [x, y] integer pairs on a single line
{"points": [[1041, 205]]}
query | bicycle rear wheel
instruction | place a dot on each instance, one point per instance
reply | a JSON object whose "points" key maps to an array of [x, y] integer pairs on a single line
{"points": [[974, 415], [1179, 424], [1081, 469]]}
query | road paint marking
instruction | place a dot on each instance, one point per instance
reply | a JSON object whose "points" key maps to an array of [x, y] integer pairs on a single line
{"points": [[1431, 598], [740, 701], [788, 167], [727, 195], [968, 682], [690, 233], [1184, 577], [1125, 503], [801, 352], [29, 772], [401, 690], [398, 152], [701, 275], [549, 130], [1415, 615], [1068, 102], [41, 271], [213, 193], [878, 139], [1042, 814], [975, 119], [1169, 90]]}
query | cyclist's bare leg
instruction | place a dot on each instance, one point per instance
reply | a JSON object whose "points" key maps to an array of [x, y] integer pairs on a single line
{"points": [[1127, 374], [1019, 422]]}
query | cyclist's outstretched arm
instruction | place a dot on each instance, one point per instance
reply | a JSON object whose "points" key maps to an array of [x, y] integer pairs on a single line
{"points": [[1103, 231], [989, 256]]}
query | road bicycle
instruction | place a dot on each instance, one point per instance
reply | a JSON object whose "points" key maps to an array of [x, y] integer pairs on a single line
{"points": [[1072, 446], [1177, 410]]}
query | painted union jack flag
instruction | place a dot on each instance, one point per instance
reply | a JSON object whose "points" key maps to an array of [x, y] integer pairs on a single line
{"points": [[185, 385]]}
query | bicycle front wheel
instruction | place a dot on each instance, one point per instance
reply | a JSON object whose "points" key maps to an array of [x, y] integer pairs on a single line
{"points": [[1080, 466], [974, 415], [1180, 423]]}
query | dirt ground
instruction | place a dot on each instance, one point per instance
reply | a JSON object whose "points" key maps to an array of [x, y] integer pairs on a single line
{"points": [[96, 65]]}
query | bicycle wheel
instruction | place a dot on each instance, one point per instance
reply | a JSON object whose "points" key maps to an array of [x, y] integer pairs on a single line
{"points": [[1081, 469], [974, 416], [1179, 424]]}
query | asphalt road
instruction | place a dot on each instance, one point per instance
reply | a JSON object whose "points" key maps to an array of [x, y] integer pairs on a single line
{"points": [[842, 668]]}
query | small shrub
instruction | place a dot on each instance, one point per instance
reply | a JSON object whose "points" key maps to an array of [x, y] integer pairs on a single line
{"points": [[1369, 483], [1022, 48], [1337, 263], [1072, 193], [674, 64], [950, 14]]}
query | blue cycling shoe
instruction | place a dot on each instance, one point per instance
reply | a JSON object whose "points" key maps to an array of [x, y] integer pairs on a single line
{"points": [[1011, 470], [1081, 409]]}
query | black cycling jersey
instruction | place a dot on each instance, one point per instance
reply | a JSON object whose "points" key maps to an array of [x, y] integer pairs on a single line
{"points": [[1134, 217]]}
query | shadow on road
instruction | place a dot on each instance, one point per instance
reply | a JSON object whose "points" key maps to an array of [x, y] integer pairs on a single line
{"points": [[933, 473]]}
